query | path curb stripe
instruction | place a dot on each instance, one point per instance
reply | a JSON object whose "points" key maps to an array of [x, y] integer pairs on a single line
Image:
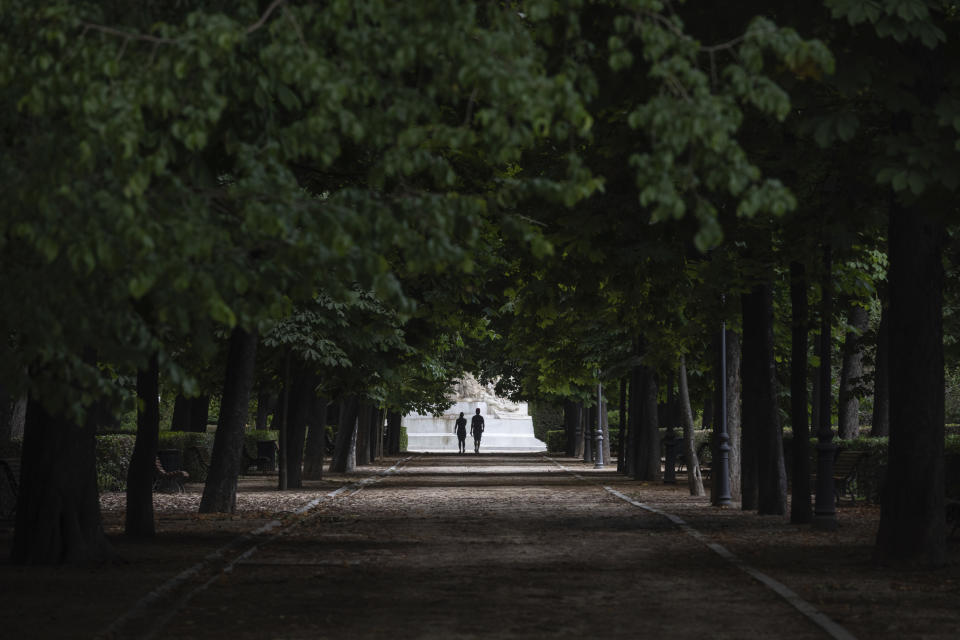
{"points": [[792, 597], [114, 629]]}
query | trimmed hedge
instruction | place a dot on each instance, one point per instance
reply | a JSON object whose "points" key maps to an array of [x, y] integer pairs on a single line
{"points": [[113, 461], [556, 441]]}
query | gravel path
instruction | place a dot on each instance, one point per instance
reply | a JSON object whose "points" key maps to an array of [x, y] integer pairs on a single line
{"points": [[489, 546], [485, 547]]}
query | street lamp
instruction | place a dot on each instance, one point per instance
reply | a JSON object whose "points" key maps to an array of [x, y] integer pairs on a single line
{"points": [[598, 458], [722, 497]]}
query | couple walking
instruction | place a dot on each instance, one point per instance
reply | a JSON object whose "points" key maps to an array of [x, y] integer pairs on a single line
{"points": [[476, 430]]}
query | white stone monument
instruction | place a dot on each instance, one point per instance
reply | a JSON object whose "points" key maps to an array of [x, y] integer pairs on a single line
{"points": [[507, 425]]}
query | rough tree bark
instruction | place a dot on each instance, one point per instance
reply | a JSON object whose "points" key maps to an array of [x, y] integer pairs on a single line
{"points": [[694, 479], [58, 508], [824, 509], [801, 510], [266, 404], [648, 433], [199, 413], [316, 440], [772, 473], [633, 422], [753, 373], [300, 408], [364, 424], [912, 520], [180, 421], [622, 433], [394, 419], [139, 521], [570, 413], [220, 490], [344, 451], [734, 421], [851, 373], [13, 414], [605, 426], [880, 425]]}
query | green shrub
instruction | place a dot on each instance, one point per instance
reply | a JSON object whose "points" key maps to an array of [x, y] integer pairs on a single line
{"points": [[556, 441], [546, 416], [113, 461]]}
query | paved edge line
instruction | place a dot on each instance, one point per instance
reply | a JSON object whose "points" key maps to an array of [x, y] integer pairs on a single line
{"points": [[112, 630], [792, 597]]}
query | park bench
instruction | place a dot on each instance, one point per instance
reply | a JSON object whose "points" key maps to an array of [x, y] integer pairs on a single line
{"points": [[168, 481], [845, 466], [9, 487], [704, 454], [202, 456]]}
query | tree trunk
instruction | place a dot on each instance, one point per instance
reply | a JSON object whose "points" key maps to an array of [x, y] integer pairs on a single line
{"points": [[605, 426], [824, 509], [181, 414], [734, 422], [13, 414], [139, 521], [771, 475], [815, 383], [648, 433], [266, 404], [880, 425], [316, 440], [851, 373], [912, 520], [579, 428], [377, 450], [753, 396], [394, 420], [622, 431], [58, 508], [199, 414], [570, 426], [707, 422], [633, 422], [299, 410], [801, 511], [694, 479], [364, 424], [220, 490], [344, 451]]}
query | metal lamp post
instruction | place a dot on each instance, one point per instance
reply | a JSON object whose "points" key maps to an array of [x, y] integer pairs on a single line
{"points": [[598, 458], [723, 463]]}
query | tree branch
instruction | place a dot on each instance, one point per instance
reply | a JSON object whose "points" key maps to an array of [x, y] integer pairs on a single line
{"points": [[266, 14]]}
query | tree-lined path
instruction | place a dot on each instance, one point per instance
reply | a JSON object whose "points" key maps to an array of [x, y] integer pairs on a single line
{"points": [[488, 546], [497, 546]]}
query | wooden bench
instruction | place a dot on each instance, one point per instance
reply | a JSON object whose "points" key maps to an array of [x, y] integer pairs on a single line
{"points": [[202, 456], [703, 453], [845, 465], [9, 487], [168, 481]]}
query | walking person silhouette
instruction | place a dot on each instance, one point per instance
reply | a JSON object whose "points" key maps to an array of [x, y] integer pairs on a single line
{"points": [[476, 430], [461, 430]]}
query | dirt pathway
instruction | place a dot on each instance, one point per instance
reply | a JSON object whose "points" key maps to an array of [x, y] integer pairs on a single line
{"points": [[485, 547], [490, 546]]}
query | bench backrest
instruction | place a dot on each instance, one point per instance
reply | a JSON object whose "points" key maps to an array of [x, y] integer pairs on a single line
{"points": [[846, 461]]}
